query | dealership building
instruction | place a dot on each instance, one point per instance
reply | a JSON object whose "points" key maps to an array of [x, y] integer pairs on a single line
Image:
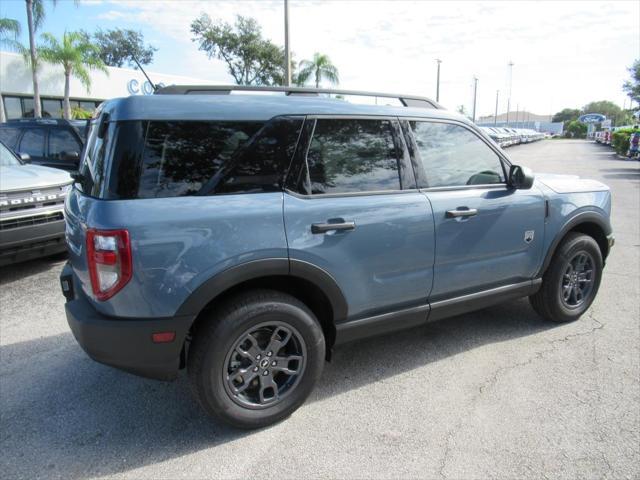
{"points": [[16, 86]]}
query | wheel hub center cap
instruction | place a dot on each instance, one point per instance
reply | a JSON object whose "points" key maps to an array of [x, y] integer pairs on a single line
{"points": [[264, 363]]}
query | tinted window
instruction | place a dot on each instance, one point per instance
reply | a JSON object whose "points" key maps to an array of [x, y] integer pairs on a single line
{"points": [[9, 136], [452, 155], [93, 161], [352, 156], [32, 142], [181, 158], [61, 140]]}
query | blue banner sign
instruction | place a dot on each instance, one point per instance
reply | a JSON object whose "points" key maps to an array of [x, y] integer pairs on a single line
{"points": [[592, 118]]}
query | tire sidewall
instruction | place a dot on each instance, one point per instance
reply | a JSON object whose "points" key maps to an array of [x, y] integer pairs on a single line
{"points": [[229, 331], [568, 251]]}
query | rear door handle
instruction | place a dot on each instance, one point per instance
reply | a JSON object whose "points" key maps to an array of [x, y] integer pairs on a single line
{"points": [[328, 227], [462, 212]]}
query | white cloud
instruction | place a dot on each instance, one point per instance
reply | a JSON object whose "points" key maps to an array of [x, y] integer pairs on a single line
{"points": [[565, 53]]}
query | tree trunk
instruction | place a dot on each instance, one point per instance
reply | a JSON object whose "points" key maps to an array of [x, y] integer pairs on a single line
{"points": [[37, 111], [66, 103]]}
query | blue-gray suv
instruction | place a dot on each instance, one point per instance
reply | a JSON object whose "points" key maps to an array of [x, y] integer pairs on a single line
{"points": [[244, 235]]}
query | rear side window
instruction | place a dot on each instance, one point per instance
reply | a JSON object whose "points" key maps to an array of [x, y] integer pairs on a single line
{"points": [[60, 141], [451, 155], [181, 158], [32, 142], [347, 156]]}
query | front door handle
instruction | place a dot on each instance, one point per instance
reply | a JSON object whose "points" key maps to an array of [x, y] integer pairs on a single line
{"points": [[328, 227], [462, 212]]}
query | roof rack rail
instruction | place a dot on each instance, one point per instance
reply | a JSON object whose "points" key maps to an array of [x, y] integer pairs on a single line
{"points": [[406, 100]]}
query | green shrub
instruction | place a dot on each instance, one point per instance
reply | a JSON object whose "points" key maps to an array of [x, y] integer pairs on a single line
{"points": [[575, 129], [79, 113], [620, 139]]}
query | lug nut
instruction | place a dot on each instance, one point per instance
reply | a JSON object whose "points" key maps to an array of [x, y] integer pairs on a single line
{"points": [[269, 354], [273, 364], [255, 369], [266, 372], [258, 357]]}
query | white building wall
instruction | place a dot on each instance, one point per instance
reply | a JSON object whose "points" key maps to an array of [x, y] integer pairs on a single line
{"points": [[15, 79]]}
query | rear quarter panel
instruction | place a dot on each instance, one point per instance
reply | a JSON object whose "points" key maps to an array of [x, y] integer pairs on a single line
{"points": [[177, 243]]}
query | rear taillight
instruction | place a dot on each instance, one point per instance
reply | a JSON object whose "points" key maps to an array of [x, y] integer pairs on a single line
{"points": [[109, 259]]}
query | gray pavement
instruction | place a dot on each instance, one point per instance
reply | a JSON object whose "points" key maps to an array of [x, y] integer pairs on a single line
{"points": [[497, 393]]}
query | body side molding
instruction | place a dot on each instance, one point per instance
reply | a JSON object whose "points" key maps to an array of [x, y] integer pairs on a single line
{"points": [[268, 267], [580, 218]]}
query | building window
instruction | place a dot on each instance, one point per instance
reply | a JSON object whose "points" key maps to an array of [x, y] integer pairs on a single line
{"points": [[13, 107], [52, 108]]}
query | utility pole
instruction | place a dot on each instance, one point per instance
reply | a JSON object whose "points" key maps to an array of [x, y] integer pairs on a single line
{"points": [[475, 97], [517, 111], [438, 81], [495, 117], [510, 65], [287, 53]]}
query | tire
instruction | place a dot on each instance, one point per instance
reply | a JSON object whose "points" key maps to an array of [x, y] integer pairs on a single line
{"points": [[248, 334], [550, 301]]}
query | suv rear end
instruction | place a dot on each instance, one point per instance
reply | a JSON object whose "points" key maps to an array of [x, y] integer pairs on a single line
{"points": [[161, 206]]}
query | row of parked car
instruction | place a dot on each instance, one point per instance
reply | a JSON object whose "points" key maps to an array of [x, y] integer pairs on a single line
{"points": [[507, 136]]}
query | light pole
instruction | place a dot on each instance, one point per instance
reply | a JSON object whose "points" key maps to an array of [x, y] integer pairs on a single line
{"points": [[287, 53], [517, 111], [438, 81], [475, 97], [510, 65], [495, 116]]}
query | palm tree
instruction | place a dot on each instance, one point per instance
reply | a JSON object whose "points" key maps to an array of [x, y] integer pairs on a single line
{"points": [[9, 32], [76, 53], [35, 17], [320, 67]]}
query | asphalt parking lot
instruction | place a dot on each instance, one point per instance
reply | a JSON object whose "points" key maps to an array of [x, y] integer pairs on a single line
{"points": [[493, 394]]}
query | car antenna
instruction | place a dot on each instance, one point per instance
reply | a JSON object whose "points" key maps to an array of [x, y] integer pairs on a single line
{"points": [[153, 85]]}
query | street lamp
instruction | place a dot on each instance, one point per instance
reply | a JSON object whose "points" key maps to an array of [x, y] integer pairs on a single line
{"points": [[287, 53], [510, 65], [495, 116], [438, 81], [475, 97]]}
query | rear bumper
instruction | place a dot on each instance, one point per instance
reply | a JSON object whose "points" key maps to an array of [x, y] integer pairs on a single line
{"points": [[24, 243], [124, 343]]}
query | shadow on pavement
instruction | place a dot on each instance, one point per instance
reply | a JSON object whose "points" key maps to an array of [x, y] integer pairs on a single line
{"points": [[18, 271], [64, 415]]}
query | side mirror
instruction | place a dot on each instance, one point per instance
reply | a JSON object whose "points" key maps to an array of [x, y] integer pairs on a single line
{"points": [[72, 156], [520, 177], [25, 157]]}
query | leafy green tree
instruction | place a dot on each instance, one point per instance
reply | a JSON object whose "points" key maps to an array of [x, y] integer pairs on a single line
{"points": [[250, 58], [10, 30], [118, 47], [77, 55], [605, 107], [576, 129], [35, 17], [632, 87], [320, 68], [567, 115]]}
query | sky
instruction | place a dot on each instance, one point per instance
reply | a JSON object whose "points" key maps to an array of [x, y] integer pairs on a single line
{"points": [[565, 53]]}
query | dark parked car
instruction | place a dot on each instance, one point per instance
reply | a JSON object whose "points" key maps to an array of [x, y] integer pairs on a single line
{"points": [[48, 142], [244, 236]]}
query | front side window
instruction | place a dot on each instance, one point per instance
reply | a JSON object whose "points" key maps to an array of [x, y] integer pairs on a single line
{"points": [[451, 155], [62, 141], [348, 156], [32, 142]]}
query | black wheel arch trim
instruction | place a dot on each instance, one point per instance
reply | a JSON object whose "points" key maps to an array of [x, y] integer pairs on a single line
{"points": [[581, 218], [257, 269]]}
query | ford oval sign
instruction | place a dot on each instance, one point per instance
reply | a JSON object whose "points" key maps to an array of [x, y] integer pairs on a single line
{"points": [[592, 118]]}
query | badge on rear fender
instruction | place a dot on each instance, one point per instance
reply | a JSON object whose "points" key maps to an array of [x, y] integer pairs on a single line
{"points": [[528, 236]]}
